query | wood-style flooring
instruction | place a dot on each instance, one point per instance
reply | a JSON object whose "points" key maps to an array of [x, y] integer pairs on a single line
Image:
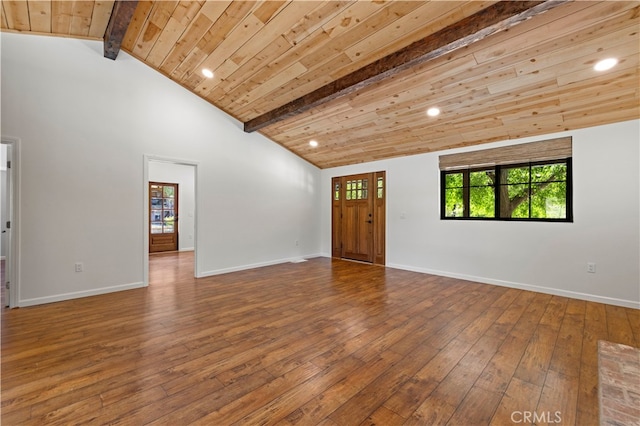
{"points": [[325, 342]]}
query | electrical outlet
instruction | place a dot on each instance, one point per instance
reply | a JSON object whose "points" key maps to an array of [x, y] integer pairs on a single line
{"points": [[297, 243], [79, 267], [591, 267]]}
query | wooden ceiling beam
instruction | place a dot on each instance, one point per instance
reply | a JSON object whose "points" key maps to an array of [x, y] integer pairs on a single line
{"points": [[117, 27], [495, 18]]}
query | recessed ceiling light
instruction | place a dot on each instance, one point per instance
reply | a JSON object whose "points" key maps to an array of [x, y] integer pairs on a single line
{"points": [[433, 112], [605, 64], [313, 143], [207, 73]]}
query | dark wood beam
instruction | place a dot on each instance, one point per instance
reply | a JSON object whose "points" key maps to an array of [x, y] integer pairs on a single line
{"points": [[117, 27], [495, 18]]}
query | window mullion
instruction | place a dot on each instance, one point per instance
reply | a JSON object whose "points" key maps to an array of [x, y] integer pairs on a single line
{"points": [[530, 191], [466, 183], [443, 194], [497, 190], [569, 189]]}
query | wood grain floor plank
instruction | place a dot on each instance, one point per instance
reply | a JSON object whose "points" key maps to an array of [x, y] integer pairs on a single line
{"points": [[372, 396], [559, 398], [412, 393], [587, 403], [477, 408], [451, 391], [520, 397], [634, 320], [619, 327], [534, 364], [325, 342], [384, 416], [500, 369], [252, 401], [595, 329], [567, 353], [322, 405], [433, 411], [285, 404], [189, 405]]}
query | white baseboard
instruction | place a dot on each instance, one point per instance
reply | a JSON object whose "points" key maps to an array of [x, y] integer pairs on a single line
{"points": [[78, 294], [256, 265], [521, 286], [187, 249]]}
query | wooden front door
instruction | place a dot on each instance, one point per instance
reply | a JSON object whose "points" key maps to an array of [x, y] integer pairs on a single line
{"points": [[163, 223], [358, 217]]}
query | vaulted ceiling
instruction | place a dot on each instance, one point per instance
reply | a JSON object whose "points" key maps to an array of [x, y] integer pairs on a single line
{"points": [[532, 78]]}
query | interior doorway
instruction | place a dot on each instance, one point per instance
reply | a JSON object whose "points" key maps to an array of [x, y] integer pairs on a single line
{"points": [[358, 217], [8, 221], [5, 222], [177, 188]]}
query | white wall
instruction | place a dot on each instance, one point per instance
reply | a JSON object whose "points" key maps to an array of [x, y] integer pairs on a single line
{"points": [[546, 257], [85, 124], [184, 176]]}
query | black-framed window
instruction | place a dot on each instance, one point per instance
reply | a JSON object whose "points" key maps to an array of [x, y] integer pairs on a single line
{"points": [[535, 191]]}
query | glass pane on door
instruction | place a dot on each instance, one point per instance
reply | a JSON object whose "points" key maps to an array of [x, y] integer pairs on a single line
{"points": [[156, 191]]}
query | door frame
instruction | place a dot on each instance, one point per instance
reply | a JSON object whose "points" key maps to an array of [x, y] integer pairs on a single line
{"points": [[145, 200], [12, 257], [378, 210]]}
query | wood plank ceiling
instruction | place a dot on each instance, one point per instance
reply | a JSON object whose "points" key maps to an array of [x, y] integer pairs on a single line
{"points": [[534, 78]]}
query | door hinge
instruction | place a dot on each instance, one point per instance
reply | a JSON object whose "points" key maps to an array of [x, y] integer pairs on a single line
{"points": [[8, 224], [8, 164], [7, 285]]}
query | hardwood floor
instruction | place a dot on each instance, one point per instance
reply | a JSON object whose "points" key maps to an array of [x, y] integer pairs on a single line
{"points": [[324, 342]]}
